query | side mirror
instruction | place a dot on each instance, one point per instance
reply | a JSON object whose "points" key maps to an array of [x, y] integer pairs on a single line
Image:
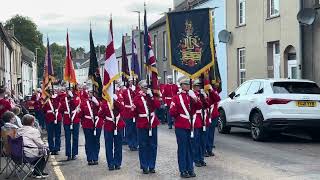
{"points": [[232, 95]]}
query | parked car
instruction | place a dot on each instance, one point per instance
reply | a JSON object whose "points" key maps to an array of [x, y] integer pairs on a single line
{"points": [[272, 106]]}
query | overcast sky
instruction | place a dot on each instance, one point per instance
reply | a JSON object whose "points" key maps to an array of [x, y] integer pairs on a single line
{"points": [[53, 17]]}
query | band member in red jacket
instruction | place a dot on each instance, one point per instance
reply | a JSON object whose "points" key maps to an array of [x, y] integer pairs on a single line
{"points": [[92, 125], [200, 134], [113, 131], [39, 114], [214, 100], [5, 104], [169, 91], [70, 108], [183, 108], [145, 105], [128, 95], [53, 123]]}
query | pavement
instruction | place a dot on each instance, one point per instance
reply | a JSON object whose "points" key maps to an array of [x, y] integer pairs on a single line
{"points": [[238, 157]]}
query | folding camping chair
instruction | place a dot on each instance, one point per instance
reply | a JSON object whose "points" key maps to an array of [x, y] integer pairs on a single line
{"points": [[4, 148], [21, 163]]}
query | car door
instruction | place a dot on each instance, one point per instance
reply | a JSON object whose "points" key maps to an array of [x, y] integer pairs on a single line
{"points": [[248, 101], [235, 109]]}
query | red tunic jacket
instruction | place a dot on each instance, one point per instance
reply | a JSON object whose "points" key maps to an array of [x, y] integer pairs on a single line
{"points": [[128, 112], [204, 105], [86, 120], [176, 110], [5, 105], [214, 99], [50, 116], [169, 90], [74, 110], [141, 114], [105, 114]]}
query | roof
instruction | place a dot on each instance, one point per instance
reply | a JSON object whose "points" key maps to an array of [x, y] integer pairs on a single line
{"points": [[181, 7], [5, 37], [27, 55], [77, 62]]}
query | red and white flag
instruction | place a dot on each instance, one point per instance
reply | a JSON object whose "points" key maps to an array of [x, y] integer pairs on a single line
{"points": [[111, 72]]}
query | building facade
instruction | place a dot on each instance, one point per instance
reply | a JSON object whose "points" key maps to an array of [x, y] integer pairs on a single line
{"points": [[28, 61], [265, 40], [5, 58], [16, 65]]}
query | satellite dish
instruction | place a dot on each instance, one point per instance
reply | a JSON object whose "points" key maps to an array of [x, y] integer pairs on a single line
{"points": [[224, 36], [307, 16]]}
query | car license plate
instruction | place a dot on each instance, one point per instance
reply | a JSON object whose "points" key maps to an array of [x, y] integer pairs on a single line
{"points": [[306, 104]]}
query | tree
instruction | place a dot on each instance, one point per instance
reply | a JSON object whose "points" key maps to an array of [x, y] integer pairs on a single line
{"points": [[25, 30]]}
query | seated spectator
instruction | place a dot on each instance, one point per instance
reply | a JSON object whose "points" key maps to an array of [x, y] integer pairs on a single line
{"points": [[34, 148], [9, 120], [8, 129], [16, 110]]}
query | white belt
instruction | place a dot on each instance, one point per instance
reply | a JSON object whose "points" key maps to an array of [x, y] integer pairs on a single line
{"points": [[66, 112], [88, 117], [127, 106], [110, 118], [199, 111], [49, 111], [168, 97], [145, 115], [184, 116]]}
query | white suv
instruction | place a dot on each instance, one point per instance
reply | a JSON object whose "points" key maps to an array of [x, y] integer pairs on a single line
{"points": [[268, 106]]}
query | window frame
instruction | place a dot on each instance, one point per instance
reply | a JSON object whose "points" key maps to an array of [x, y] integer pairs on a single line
{"points": [[271, 11], [241, 12], [241, 64], [164, 45]]}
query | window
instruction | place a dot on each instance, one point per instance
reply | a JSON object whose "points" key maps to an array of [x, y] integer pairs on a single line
{"points": [[155, 43], [242, 90], [164, 46], [255, 88], [295, 88], [242, 64], [241, 12], [274, 8]]}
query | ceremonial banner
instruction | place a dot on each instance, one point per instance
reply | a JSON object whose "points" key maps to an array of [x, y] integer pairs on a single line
{"points": [[135, 69], [48, 75], [69, 73], [191, 44]]}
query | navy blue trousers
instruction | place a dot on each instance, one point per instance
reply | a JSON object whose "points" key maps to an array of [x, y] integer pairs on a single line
{"points": [[40, 117], [210, 135], [131, 133], [72, 139], [169, 118], [92, 144], [185, 158], [54, 136], [113, 145], [147, 148], [198, 145]]}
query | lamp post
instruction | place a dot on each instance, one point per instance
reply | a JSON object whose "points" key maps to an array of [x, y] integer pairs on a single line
{"points": [[140, 43]]}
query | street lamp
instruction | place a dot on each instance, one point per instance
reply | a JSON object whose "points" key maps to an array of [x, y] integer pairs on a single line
{"points": [[140, 43]]}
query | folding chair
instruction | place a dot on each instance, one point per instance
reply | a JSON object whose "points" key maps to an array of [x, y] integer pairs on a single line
{"points": [[21, 163], [5, 149]]}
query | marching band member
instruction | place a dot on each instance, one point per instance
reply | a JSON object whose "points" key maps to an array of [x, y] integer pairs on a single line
{"points": [[214, 99], [182, 108], [70, 108], [113, 131], [169, 91], [92, 125], [145, 104], [128, 115], [53, 122]]}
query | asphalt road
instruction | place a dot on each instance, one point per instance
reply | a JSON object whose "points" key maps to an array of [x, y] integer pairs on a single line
{"points": [[237, 157]]}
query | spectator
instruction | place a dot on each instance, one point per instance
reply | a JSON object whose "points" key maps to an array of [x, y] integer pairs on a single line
{"points": [[5, 104], [9, 121], [16, 110], [34, 148]]}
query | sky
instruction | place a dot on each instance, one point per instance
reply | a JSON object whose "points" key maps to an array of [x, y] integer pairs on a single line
{"points": [[54, 17]]}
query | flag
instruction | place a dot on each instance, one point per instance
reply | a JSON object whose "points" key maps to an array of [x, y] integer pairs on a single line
{"points": [[69, 74], [135, 69], [111, 72], [48, 75], [150, 59], [94, 73], [124, 63]]}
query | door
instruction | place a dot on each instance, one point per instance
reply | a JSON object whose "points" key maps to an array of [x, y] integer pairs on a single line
{"points": [[276, 60], [292, 69], [235, 109]]}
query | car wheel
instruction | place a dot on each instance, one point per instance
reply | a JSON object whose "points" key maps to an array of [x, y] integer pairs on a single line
{"points": [[222, 123], [258, 132]]}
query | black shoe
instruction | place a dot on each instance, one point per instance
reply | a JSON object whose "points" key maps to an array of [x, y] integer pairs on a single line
{"points": [[117, 168], [69, 158], [45, 174], [74, 158], [184, 175], [170, 127], [206, 155], [151, 170], [203, 163], [210, 153], [53, 153], [214, 146], [198, 164], [192, 174], [95, 163], [111, 168], [145, 171], [90, 163]]}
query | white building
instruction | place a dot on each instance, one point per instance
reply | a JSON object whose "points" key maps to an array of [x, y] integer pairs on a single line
{"points": [[5, 56], [28, 59]]}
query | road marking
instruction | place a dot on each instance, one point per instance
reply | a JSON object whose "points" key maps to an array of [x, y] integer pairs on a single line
{"points": [[56, 168]]}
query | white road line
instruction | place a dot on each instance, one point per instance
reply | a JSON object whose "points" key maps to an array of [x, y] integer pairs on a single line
{"points": [[56, 169]]}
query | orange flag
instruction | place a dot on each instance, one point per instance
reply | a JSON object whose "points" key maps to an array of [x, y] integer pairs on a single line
{"points": [[69, 74]]}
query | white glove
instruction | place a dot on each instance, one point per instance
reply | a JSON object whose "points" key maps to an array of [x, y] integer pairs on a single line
{"points": [[115, 97], [54, 95], [133, 88], [192, 94], [97, 118], [70, 93], [203, 93], [94, 99], [149, 92]]}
